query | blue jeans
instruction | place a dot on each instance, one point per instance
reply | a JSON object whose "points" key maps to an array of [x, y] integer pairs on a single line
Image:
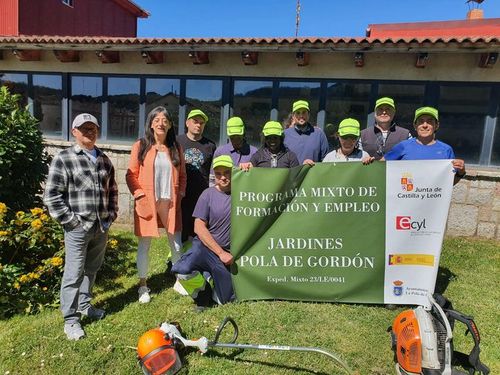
{"points": [[200, 258], [84, 256]]}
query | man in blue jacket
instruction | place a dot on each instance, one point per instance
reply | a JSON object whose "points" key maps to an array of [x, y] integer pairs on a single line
{"points": [[308, 142]]}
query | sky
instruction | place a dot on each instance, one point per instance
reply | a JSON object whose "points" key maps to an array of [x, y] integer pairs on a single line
{"points": [[276, 18]]}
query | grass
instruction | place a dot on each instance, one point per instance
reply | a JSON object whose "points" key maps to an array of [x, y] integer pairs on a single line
{"points": [[357, 333]]}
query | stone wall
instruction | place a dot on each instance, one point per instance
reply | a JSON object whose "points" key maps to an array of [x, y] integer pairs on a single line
{"points": [[475, 205], [474, 211]]}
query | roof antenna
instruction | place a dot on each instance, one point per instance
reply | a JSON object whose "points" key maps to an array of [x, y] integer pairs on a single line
{"points": [[297, 19]]}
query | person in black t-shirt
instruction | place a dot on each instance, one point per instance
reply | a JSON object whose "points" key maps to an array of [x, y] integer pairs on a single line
{"points": [[198, 154]]}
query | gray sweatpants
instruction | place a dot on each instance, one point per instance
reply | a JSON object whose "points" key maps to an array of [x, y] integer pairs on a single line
{"points": [[84, 256]]}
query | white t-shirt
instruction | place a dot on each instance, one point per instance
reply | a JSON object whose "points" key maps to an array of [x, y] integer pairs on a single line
{"points": [[163, 176], [338, 156]]}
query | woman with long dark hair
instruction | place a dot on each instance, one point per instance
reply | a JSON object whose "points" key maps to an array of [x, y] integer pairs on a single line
{"points": [[156, 177]]}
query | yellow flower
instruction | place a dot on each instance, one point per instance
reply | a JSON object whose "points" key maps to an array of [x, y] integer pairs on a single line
{"points": [[39, 269], [4, 233], [33, 275], [19, 214], [24, 279], [44, 288], [56, 261], [113, 244], [44, 217], [17, 285], [36, 211], [36, 224], [3, 208]]}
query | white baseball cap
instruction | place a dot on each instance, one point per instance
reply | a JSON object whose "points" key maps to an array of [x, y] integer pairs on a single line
{"points": [[82, 118]]}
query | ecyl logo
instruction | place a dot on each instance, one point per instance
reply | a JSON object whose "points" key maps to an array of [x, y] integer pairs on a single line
{"points": [[406, 223]]}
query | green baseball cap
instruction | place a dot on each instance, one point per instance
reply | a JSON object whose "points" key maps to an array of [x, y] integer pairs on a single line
{"points": [[385, 100], [349, 126], [222, 161], [197, 112], [235, 126], [431, 111], [272, 128], [300, 104]]}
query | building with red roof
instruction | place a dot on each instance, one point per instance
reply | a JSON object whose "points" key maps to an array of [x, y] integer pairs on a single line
{"points": [[451, 65], [70, 17]]}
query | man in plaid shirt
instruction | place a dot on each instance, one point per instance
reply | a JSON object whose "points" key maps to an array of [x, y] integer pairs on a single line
{"points": [[81, 193]]}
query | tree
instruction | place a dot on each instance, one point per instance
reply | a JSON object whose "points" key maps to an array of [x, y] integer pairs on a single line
{"points": [[23, 159]]}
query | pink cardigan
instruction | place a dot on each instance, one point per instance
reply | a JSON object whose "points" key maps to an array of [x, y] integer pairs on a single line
{"points": [[140, 181]]}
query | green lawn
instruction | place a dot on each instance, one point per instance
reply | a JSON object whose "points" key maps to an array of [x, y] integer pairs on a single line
{"points": [[357, 333]]}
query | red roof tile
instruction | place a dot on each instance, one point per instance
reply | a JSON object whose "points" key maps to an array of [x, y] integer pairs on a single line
{"points": [[442, 29], [262, 44]]}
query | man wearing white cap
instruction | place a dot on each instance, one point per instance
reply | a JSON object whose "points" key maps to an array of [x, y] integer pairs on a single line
{"points": [[81, 193]]}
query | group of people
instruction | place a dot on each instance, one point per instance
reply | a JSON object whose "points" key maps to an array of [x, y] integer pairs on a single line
{"points": [[183, 184]]}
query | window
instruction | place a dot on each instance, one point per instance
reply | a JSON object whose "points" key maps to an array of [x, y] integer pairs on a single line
{"points": [[290, 92], [495, 154], [123, 118], [462, 115], [17, 84], [165, 93], [86, 96], [206, 95], [68, 3], [346, 100], [252, 102], [47, 104]]}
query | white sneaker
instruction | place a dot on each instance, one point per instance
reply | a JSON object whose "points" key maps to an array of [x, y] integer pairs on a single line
{"points": [[144, 296], [180, 289], [74, 331]]}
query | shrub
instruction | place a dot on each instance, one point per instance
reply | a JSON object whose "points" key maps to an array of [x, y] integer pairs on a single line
{"points": [[31, 260], [23, 160]]}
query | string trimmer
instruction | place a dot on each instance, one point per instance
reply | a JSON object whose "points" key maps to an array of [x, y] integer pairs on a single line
{"points": [[158, 348]]}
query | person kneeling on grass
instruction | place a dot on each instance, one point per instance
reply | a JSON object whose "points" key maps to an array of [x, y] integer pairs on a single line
{"points": [[210, 250]]}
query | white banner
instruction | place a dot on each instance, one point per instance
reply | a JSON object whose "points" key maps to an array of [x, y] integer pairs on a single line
{"points": [[418, 195]]}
